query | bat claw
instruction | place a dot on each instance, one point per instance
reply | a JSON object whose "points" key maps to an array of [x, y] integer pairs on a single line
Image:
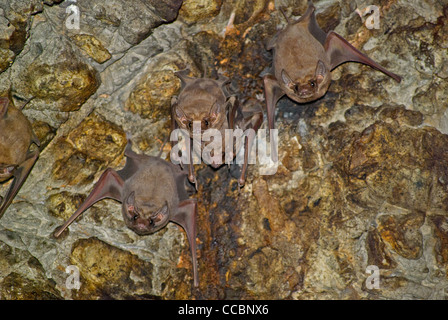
{"points": [[58, 232], [193, 181], [241, 182]]}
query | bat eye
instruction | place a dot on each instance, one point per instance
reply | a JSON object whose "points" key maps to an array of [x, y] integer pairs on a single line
{"points": [[206, 123], [312, 83], [135, 217], [190, 124], [151, 222]]}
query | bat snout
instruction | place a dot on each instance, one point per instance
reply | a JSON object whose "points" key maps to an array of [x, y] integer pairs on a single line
{"points": [[305, 93], [148, 223]]}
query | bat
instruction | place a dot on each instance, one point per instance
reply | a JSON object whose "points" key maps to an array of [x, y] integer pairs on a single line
{"points": [[303, 56], [207, 102], [16, 159], [152, 193]]}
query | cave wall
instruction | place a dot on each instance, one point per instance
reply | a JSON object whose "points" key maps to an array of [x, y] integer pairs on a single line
{"points": [[362, 179]]}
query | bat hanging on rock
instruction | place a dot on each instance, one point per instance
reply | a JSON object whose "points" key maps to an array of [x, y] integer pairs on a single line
{"points": [[207, 103], [16, 158], [303, 57], [152, 192]]}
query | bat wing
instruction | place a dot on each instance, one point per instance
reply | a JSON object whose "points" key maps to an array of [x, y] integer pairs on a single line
{"points": [[133, 161], [313, 26], [109, 185], [174, 125], [339, 51], [252, 114], [185, 216], [251, 118], [273, 93], [20, 175]]}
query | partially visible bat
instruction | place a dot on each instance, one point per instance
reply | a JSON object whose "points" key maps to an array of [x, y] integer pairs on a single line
{"points": [[303, 57], [152, 192], [207, 102], [16, 159]]}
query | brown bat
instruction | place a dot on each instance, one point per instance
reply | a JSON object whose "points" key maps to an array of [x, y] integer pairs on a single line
{"points": [[152, 192], [16, 159], [207, 102], [303, 57]]}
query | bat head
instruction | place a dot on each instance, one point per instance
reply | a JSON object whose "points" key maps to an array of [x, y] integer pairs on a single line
{"points": [[144, 218], [201, 104], [198, 122], [309, 88]]}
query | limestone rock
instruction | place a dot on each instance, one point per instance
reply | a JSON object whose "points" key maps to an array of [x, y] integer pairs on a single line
{"points": [[194, 11], [23, 277], [107, 272], [94, 144], [92, 47], [362, 179]]}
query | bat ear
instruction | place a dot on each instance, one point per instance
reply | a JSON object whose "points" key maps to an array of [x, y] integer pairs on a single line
{"points": [[130, 200], [184, 78], [215, 110], [321, 71], [179, 113], [287, 79], [4, 102], [173, 101]]}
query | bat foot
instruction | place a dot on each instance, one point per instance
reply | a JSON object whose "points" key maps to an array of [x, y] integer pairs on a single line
{"points": [[241, 183], [193, 181]]}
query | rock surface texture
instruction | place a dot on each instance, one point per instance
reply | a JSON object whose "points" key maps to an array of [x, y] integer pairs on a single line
{"points": [[363, 173]]}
